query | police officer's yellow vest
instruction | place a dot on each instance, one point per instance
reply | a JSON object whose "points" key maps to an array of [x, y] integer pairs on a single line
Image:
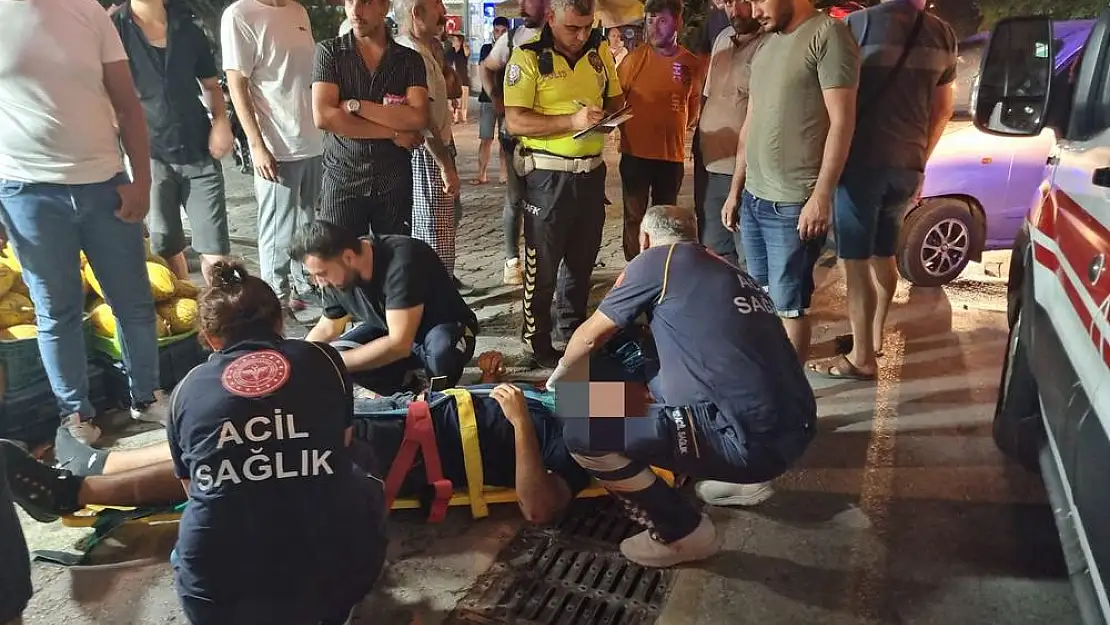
{"points": [[539, 78]]}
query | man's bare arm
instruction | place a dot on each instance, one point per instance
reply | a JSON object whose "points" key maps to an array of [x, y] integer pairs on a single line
{"points": [[239, 88], [327, 330], [741, 168], [388, 349], [841, 106], [215, 97], [541, 495], [524, 122], [943, 105], [411, 117], [132, 123], [328, 115]]}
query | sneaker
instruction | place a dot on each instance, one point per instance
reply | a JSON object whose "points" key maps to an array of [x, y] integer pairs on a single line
{"points": [[76, 457], [43, 492], [717, 493], [546, 357], [296, 304], [157, 411], [701, 544], [84, 430], [513, 273]]}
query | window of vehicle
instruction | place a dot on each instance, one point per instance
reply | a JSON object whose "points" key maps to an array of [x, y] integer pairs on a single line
{"points": [[967, 71]]}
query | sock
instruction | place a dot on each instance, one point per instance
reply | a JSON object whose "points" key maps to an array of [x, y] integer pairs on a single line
{"points": [[77, 457]]}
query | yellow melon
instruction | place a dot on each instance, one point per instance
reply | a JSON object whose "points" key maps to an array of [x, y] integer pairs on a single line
{"points": [[184, 288], [103, 321], [162, 281], [16, 309], [21, 331], [7, 279], [180, 313]]}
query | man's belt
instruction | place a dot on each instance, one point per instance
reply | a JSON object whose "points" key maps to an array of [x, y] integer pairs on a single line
{"points": [[569, 165]]}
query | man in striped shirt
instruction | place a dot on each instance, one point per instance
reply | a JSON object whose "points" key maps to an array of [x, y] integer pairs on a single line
{"points": [[370, 96]]}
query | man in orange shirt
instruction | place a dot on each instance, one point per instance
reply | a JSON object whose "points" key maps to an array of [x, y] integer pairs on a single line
{"points": [[662, 83]]}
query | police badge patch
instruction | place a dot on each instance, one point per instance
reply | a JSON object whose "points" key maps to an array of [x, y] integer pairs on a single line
{"points": [[595, 61], [512, 75]]}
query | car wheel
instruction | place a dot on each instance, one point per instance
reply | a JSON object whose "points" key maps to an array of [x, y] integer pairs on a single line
{"points": [[1018, 426], [938, 240]]}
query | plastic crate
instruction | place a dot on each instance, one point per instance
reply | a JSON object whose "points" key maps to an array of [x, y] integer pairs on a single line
{"points": [[110, 347], [30, 415], [175, 361], [20, 364]]}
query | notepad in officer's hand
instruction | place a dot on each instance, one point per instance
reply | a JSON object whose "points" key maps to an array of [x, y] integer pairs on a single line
{"points": [[611, 120]]}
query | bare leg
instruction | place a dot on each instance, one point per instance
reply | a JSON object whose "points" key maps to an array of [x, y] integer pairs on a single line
{"points": [[463, 102], [179, 266], [149, 486], [886, 281], [132, 459], [861, 313], [799, 332], [485, 148], [503, 156]]}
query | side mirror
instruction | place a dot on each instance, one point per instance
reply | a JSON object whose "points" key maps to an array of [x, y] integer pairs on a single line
{"points": [[1014, 85]]}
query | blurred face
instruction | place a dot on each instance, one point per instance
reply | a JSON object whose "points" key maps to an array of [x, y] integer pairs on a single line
{"points": [[498, 31], [430, 16], [338, 273], [534, 12], [740, 15], [615, 40], [773, 15], [661, 28], [571, 30], [367, 16]]}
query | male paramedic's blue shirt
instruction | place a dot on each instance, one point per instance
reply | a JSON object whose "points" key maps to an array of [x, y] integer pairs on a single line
{"points": [[718, 337], [277, 507]]}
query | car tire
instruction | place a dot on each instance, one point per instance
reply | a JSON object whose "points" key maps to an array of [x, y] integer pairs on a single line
{"points": [[1018, 428], [938, 239]]}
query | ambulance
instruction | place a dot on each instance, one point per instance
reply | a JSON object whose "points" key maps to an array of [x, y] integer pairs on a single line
{"points": [[1053, 410]]}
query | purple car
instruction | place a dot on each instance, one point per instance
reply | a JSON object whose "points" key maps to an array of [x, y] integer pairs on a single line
{"points": [[978, 187]]}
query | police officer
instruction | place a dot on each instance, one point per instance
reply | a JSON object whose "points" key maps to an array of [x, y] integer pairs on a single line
{"points": [[556, 85], [281, 528]]}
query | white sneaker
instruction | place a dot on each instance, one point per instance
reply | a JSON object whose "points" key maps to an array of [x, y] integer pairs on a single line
{"points": [[701, 544], [717, 493], [84, 431], [157, 411], [514, 272]]}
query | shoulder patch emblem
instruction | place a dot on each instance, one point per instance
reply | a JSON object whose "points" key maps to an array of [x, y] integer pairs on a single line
{"points": [[256, 374], [512, 74], [595, 61]]}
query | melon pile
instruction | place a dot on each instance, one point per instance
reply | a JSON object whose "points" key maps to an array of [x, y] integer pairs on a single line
{"points": [[175, 299]]}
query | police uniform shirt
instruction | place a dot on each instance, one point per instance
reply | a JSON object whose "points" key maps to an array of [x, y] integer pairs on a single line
{"points": [[718, 337], [407, 273], [592, 79], [276, 505]]}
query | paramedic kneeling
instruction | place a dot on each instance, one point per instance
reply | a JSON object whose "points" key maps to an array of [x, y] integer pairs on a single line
{"points": [[412, 316], [732, 402], [281, 527]]}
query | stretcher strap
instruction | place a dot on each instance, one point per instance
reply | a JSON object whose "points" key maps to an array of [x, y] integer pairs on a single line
{"points": [[472, 451], [420, 435]]}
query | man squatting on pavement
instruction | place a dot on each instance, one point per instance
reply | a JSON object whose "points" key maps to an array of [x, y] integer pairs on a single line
{"points": [[561, 82], [732, 405]]}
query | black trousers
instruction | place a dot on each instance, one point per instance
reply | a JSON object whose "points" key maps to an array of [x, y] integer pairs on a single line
{"points": [[564, 215], [388, 213], [643, 179], [444, 352]]}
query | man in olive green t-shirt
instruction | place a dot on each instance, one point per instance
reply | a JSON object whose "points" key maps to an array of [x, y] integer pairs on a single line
{"points": [[792, 148]]}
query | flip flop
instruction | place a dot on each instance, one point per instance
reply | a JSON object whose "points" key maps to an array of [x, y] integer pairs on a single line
{"points": [[840, 368], [477, 182], [844, 344]]}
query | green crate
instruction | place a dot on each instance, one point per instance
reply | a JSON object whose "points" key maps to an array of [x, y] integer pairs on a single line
{"points": [[20, 364], [110, 347]]}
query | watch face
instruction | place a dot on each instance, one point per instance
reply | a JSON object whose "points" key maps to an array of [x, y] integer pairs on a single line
{"points": [[352, 106]]}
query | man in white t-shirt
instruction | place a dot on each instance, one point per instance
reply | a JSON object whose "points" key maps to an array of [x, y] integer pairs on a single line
{"points": [[268, 52], [435, 181], [492, 71], [64, 83]]}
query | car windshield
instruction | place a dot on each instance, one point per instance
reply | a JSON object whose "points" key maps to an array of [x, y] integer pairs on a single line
{"points": [[967, 70]]}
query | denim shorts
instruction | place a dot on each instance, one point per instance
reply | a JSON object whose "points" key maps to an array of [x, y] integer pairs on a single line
{"points": [[776, 257], [868, 211]]}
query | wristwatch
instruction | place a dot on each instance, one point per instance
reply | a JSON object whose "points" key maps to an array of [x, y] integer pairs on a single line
{"points": [[352, 106]]}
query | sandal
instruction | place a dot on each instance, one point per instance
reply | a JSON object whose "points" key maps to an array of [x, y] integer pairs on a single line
{"points": [[840, 368], [846, 342], [45, 493]]}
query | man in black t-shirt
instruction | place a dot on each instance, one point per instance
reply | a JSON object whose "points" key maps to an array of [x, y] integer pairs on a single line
{"points": [[411, 315], [732, 404]]}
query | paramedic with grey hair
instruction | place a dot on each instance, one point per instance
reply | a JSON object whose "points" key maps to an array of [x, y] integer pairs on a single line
{"points": [[731, 406]]}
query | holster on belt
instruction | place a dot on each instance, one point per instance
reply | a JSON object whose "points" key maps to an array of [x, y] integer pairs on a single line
{"points": [[523, 163]]}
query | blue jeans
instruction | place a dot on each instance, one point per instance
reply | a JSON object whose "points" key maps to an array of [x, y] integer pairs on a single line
{"points": [[867, 214], [49, 225], [778, 260]]}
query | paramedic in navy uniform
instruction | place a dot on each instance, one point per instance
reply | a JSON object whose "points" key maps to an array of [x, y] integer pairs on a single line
{"points": [[412, 316], [281, 527], [732, 407]]}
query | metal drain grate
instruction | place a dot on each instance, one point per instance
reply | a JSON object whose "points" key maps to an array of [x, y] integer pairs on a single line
{"points": [[571, 574]]}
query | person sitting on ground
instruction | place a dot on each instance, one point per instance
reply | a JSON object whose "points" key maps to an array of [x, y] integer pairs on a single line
{"points": [[282, 528], [732, 401], [411, 315]]}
